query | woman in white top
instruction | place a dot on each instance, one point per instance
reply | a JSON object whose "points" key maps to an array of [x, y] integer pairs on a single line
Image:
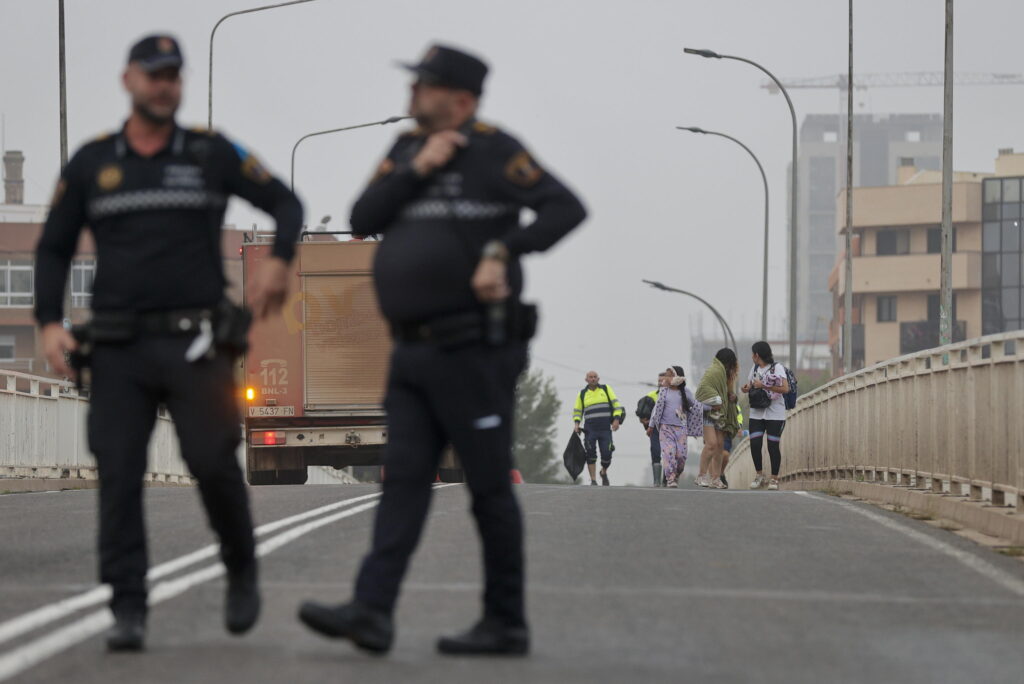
{"points": [[766, 386]]}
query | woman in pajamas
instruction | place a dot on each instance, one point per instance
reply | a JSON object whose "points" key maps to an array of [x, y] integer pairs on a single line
{"points": [[676, 415]]}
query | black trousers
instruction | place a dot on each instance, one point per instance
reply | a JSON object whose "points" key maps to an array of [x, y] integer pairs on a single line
{"points": [[129, 382], [464, 398]]}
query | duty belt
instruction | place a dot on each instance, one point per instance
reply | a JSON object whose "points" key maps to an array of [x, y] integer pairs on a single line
{"points": [[494, 325]]}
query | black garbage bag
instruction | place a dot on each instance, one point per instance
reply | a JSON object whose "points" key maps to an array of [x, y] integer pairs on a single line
{"points": [[575, 456]]}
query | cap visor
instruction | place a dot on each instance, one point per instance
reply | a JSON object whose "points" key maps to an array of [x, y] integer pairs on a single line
{"points": [[157, 63]]}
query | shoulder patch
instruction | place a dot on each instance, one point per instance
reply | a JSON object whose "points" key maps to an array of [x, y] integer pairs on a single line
{"points": [[522, 170], [252, 168], [484, 128]]}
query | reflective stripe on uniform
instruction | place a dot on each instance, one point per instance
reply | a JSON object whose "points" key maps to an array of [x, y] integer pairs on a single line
{"points": [[461, 209], [158, 199]]}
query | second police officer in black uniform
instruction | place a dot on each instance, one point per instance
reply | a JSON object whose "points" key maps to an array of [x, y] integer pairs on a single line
{"points": [[447, 199], [154, 197]]}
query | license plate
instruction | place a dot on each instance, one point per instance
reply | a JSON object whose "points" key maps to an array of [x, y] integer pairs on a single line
{"points": [[270, 411]]}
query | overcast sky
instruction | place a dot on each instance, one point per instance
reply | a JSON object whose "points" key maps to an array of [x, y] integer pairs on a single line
{"points": [[594, 89]]}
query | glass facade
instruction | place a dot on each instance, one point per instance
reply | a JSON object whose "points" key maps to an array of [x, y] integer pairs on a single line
{"points": [[1001, 263]]}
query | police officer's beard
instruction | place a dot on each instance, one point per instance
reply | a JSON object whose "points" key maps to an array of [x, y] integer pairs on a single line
{"points": [[156, 118]]}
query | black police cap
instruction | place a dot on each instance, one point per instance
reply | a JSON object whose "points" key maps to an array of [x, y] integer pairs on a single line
{"points": [[446, 66], [156, 52]]}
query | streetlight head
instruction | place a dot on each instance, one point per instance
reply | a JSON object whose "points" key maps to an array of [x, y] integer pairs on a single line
{"points": [[394, 119], [692, 129], [656, 285], [710, 54]]}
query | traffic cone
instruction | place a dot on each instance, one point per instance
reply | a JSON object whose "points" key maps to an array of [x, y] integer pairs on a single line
{"points": [[517, 477]]}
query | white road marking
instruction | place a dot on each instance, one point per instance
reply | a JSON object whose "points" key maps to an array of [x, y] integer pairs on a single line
{"points": [[34, 652], [44, 615], [973, 561]]}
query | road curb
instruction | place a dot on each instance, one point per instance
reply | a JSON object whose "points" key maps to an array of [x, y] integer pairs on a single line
{"points": [[997, 521], [49, 484]]}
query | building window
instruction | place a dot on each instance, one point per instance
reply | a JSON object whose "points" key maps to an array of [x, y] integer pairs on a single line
{"points": [[831, 136], [6, 348], [1002, 270], [913, 136], [83, 272], [935, 240], [16, 283], [886, 309], [893, 242]]}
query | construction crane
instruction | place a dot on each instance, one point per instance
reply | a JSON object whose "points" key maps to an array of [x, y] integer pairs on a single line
{"points": [[909, 79]]}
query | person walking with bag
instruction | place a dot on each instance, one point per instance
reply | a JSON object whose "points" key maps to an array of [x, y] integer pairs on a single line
{"points": [[600, 412], [644, 408], [676, 415], [715, 390], [766, 386]]}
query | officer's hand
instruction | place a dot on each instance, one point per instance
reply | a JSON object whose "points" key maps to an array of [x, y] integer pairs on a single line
{"points": [[650, 431], [576, 429], [268, 288], [615, 425], [438, 151], [490, 282], [57, 341]]}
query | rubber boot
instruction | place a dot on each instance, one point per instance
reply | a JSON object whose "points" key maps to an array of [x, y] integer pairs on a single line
{"points": [[656, 470]]}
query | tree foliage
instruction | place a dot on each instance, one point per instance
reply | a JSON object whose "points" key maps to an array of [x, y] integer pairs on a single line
{"points": [[537, 411]]}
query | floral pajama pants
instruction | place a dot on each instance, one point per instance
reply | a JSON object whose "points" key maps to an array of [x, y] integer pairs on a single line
{"points": [[673, 450]]}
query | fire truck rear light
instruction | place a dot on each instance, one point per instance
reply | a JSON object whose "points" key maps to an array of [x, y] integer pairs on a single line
{"points": [[268, 438]]}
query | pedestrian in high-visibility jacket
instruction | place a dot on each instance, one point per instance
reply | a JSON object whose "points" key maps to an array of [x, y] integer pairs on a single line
{"points": [[598, 413], [644, 407]]}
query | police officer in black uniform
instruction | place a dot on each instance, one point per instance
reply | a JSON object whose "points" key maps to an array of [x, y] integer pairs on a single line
{"points": [[154, 196], [447, 199]]}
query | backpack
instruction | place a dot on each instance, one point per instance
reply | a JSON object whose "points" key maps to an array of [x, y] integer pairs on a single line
{"points": [[790, 397], [645, 407], [622, 418]]}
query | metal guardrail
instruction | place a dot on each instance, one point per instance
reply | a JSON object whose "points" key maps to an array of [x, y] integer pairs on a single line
{"points": [[42, 434], [947, 419]]}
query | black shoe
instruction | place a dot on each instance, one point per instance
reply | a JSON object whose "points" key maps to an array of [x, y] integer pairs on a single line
{"points": [[724, 481], [128, 632], [604, 480], [369, 629], [487, 638], [593, 483], [242, 602]]}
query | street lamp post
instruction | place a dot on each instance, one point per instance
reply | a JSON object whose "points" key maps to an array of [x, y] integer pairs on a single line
{"points": [[730, 341], [946, 259], [764, 179], [209, 90], [710, 54], [389, 120]]}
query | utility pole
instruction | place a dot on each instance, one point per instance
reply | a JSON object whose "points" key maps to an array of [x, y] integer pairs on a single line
{"points": [[63, 85], [848, 280], [946, 277]]}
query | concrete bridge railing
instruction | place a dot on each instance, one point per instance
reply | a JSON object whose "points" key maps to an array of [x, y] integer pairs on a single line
{"points": [[947, 421], [43, 435]]}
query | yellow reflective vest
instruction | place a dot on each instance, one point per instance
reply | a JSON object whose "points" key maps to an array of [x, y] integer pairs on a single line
{"points": [[596, 407]]}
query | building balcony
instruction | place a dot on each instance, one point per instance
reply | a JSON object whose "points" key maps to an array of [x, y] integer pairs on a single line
{"points": [[908, 273]]}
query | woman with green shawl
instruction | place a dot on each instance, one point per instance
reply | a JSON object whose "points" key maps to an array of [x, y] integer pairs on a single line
{"points": [[716, 391]]}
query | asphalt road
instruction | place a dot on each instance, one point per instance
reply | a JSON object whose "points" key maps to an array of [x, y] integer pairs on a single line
{"points": [[624, 585]]}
